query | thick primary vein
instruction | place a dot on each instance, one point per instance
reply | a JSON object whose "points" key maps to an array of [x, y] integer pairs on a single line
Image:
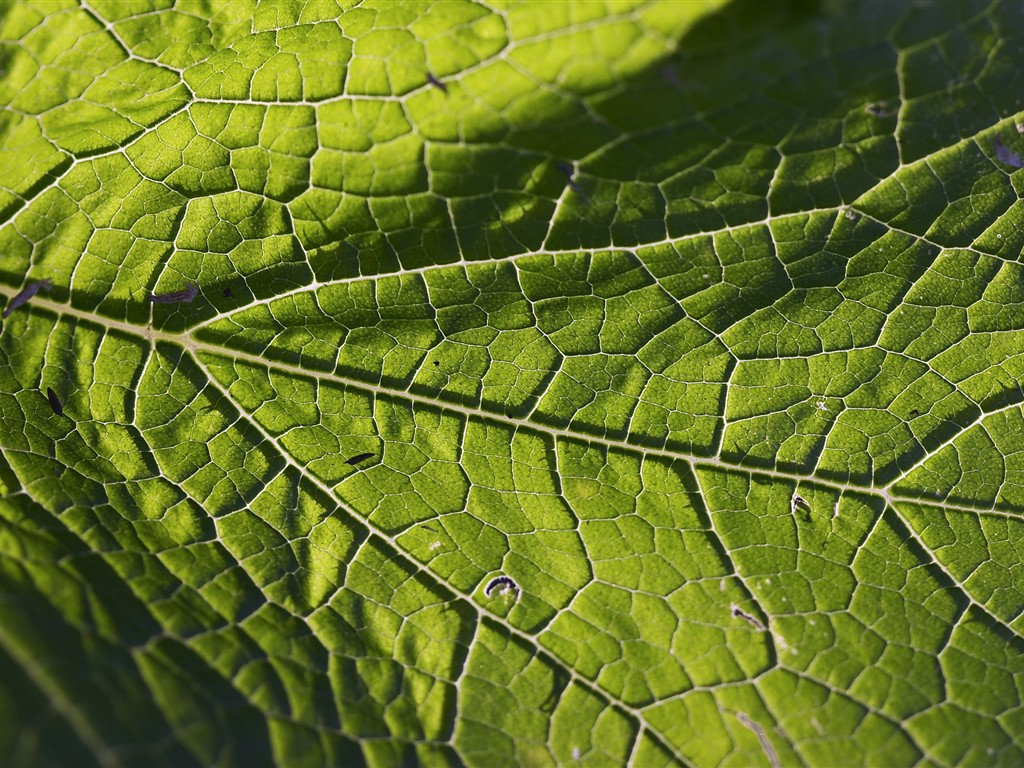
{"points": [[483, 614], [693, 459]]}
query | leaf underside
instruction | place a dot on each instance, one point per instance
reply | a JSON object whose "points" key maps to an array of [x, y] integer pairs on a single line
{"points": [[566, 383]]}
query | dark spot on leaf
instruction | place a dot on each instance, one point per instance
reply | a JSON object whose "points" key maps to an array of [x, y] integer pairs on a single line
{"points": [[1005, 155], [55, 403], [359, 458], [228, 293], [880, 109], [184, 296], [799, 502], [436, 83], [914, 412], [27, 293], [569, 171], [436, 362], [500, 581], [739, 613]]}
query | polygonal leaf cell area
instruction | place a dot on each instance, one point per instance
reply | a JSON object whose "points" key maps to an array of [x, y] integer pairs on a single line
{"points": [[500, 384]]}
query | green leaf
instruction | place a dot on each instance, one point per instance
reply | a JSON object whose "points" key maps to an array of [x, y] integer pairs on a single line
{"points": [[567, 383]]}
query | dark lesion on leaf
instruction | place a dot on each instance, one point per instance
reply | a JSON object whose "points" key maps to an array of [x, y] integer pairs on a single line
{"points": [[1005, 155], [507, 585], [881, 109], [739, 613], [437, 83], [184, 296], [570, 171], [55, 404], [358, 459], [27, 293]]}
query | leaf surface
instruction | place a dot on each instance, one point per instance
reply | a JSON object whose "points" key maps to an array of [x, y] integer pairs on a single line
{"points": [[565, 383]]}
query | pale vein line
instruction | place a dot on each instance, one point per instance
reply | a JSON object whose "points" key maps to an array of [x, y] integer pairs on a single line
{"points": [[482, 613], [693, 459], [638, 250], [76, 718]]}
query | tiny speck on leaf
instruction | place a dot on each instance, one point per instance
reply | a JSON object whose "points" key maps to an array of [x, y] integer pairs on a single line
{"points": [[228, 293]]}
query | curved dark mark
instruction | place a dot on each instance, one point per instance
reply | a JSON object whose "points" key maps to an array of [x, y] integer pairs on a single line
{"points": [[766, 744], [914, 412], [739, 613], [437, 362], [560, 681], [359, 458], [880, 109], [501, 581], [569, 172], [27, 293], [185, 296], [798, 502], [1005, 155], [55, 403], [437, 83]]}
